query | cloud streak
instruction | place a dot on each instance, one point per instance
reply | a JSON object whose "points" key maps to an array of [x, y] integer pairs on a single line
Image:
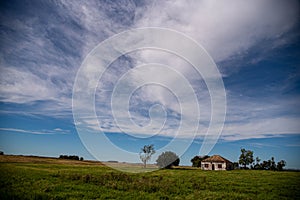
{"points": [[226, 28], [37, 132], [41, 52]]}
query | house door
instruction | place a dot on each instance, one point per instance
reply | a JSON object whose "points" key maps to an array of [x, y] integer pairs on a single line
{"points": [[213, 167]]}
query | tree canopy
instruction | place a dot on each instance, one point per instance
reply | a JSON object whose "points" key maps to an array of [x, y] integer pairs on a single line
{"points": [[269, 164], [197, 160], [70, 157], [246, 158], [167, 160]]}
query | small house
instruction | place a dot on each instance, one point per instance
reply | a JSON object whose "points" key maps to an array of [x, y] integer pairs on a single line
{"points": [[216, 162]]}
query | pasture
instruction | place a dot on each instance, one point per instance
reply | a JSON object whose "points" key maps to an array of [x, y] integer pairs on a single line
{"points": [[49, 178]]}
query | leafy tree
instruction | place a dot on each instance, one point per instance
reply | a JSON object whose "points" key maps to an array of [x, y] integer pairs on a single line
{"points": [[235, 165], [257, 159], [266, 165], [167, 160], [272, 164], [257, 164], [1, 153], [246, 158], [197, 160], [280, 165], [146, 152]]}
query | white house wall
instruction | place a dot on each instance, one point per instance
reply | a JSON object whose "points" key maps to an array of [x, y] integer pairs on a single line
{"points": [[213, 163]]}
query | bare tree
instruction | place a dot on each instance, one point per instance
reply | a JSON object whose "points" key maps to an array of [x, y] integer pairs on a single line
{"points": [[146, 152]]}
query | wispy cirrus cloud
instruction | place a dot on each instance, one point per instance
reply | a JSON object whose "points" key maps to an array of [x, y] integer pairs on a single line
{"points": [[261, 128], [38, 132], [44, 43], [42, 50], [226, 28]]}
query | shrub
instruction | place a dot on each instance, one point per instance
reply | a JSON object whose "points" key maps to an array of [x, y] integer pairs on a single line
{"points": [[197, 160], [167, 160], [70, 157]]}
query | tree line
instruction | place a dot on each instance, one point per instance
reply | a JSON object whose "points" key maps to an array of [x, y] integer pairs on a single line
{"points": [[246, 161], [71, 157], [165, 160]]}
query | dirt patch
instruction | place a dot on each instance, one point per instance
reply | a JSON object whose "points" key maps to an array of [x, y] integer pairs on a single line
{"points": [[47, 160]]}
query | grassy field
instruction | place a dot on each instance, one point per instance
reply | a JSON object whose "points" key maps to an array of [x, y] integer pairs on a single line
{"points": [[46, 178]]}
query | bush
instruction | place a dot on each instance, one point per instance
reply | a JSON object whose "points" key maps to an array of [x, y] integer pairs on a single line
{"points": [[197, 160], [70, 157], [167, 160]]}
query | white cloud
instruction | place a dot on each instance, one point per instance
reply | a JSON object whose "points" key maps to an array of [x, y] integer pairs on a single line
{"points": [[38, 132], [41, 67], [261, 128], [20, 87], [225, 28], [39, 60]]}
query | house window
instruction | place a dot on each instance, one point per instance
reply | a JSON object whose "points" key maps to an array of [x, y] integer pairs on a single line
{"points": [[219, 166], [206, 165]]}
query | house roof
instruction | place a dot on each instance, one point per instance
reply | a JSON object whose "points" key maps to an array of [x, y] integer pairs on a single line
{"points": [[216, 158]]}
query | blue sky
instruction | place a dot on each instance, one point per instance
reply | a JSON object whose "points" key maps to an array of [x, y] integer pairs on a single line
{"points": [[254, 44]]}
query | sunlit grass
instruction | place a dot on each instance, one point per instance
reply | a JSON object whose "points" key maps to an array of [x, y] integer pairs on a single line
{"points": [[28, 180]]}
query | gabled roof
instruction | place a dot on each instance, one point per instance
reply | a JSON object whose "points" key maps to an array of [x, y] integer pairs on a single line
{"points": [[215, 158]]}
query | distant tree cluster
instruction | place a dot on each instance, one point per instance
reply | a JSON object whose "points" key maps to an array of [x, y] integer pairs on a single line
{"points": [[73, 157], [113, 161], [1, 153], [246, 158], [269, 164], [165, 160], [168, 159], [247, 161]]}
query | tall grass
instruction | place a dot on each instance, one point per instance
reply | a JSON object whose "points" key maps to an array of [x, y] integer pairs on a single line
{"points": [[67, 181]]}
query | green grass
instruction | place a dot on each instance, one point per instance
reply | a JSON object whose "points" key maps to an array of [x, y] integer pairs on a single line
{"points": [[29, 180]]}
